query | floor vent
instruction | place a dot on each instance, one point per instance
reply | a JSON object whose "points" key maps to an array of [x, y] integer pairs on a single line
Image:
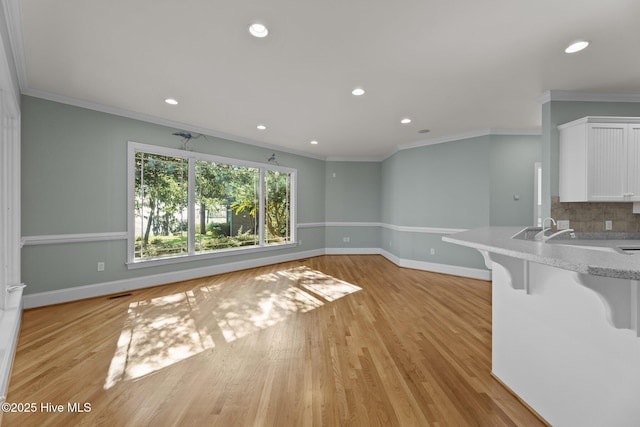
{"points": [[119, 296]]}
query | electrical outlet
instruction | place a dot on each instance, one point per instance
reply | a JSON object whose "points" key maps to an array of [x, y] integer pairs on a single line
{"points": [[299, 242], [346, 239], [608, 225], [101, 266], [563, 224], [432, 251]]}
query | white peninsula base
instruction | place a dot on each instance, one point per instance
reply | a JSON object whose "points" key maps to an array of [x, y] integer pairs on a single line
{"points": [[557, 344]]}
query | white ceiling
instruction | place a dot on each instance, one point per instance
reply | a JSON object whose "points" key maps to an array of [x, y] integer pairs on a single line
{"points": [[453, 67]]}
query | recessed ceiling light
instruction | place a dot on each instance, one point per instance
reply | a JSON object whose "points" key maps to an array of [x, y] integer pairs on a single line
{"points": [[261, 127], [171, 101], [405, 121], [258, 30], [577, 46], [314, 142], [358, 91], [424, 131]]}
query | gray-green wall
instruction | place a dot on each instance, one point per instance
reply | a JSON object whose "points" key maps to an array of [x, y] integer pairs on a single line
{"points": [[512, 179], [462, 184], [352, 195], [442, 185], [74, 181]]}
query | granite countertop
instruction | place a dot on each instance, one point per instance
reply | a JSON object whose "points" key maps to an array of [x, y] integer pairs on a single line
{"points": [[595, 254]]}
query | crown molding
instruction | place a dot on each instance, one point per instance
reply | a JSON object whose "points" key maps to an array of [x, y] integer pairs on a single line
{"points": [[582, 96], [466, 135], [391, 153], [516, 132], [210, 132], [441, 140], [161, 121], [601, 119], [365, 159]]}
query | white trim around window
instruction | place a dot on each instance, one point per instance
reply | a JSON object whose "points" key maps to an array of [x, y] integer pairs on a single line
{"points": [[135, 147]]}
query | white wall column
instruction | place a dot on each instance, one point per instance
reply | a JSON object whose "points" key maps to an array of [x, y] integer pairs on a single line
{"points": [[10, 283], [10, 233]]}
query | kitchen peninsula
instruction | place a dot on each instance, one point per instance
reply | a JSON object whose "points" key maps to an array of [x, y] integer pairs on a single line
{"points": [[565, 326]]}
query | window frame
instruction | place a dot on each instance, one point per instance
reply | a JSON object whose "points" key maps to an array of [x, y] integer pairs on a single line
{"points": [[192, 157]]}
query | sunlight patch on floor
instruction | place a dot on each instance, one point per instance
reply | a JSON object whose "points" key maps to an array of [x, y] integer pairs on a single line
{"points": [[319, 283], [164, 330], [237, 319], [308, 290], [158, 333]]}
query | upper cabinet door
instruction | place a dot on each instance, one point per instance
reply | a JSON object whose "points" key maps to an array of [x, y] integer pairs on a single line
{"points": [[600, 160], [607, 162]]}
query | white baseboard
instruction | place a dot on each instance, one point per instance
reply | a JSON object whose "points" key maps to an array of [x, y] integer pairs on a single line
{"points": [[352, 251], [9, 330], [455, 270], [99, 289]]}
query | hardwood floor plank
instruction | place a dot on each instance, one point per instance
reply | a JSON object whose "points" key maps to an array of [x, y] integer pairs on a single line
{"points": [[326, 341]]}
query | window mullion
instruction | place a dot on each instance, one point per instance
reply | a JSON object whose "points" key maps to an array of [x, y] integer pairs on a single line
{"points": [[288, 203], [261, 209], [132, 200], [191, 207]]}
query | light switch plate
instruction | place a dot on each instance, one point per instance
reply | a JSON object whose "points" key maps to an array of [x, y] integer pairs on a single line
{"points": [[563, 224]]}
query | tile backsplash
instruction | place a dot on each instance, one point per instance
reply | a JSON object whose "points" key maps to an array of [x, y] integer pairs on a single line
{"points": [[590, 217]]}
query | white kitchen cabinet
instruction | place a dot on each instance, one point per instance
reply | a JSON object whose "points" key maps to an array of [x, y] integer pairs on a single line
{"points": [[600, 160]]}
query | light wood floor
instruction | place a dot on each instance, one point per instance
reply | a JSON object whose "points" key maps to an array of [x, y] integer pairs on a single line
{"points": [[327, 341]]}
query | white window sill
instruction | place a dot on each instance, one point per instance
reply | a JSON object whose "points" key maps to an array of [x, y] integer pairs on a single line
{"points": [[154, 262]]}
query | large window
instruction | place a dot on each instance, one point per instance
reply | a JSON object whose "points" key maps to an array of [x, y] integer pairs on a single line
{"points": [[184, 204]]}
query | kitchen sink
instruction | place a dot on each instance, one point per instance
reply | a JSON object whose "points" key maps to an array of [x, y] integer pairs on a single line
{"points": [[622, 243], [527, 233]]}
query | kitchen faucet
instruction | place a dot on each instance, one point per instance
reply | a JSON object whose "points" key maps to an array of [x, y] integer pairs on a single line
{"points": [[540, 235], [560, 232]]}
